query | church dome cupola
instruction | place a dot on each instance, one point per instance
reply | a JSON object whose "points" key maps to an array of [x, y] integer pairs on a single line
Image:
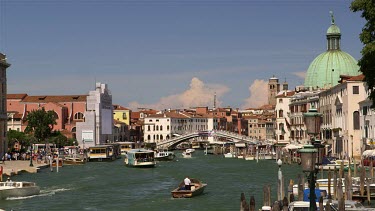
{"points": [[325, 70], [333, 35]]}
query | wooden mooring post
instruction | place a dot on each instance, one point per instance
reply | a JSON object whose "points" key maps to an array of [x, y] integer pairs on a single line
{"points": [[244, 206]]}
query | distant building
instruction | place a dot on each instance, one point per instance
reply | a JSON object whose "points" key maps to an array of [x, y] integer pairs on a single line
{"points": [[273, 89], [282, 126], [98, 124], [69, 109], [3, 106]]}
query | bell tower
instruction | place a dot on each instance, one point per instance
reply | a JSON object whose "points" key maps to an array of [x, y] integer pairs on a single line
{"points": [[273, 89]]}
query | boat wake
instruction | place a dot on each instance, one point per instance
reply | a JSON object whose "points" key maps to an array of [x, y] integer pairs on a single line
{"points": [[42, 193]]}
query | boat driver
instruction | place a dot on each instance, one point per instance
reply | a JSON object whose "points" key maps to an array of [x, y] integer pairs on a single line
{"points": [[9, 182], [187, 183]]}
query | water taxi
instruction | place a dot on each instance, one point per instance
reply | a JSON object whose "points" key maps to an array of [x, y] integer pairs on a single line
{"points": [[126, 146], [164, 156], [18, 189], [101, 152], [140, 158], [197, 187]]}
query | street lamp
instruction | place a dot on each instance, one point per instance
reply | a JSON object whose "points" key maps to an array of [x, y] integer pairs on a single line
{"points": [[308, 161], [312, 155], [31, 155]]}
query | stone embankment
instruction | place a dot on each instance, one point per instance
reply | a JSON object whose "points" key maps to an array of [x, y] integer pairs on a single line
{"points": [[14, 167]]}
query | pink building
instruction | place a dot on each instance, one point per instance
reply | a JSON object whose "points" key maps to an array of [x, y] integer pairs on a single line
{"points": [[69, 110]]}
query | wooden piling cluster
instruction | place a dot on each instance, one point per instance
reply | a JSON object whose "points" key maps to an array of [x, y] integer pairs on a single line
{"points": [[337, 179]]}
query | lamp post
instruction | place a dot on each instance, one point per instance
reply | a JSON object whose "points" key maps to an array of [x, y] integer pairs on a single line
{"points": [[280, 181], [308, 161], [31, 155], [312, 155]]}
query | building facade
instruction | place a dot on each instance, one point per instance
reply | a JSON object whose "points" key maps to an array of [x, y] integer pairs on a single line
{"points": [[98, 124]]}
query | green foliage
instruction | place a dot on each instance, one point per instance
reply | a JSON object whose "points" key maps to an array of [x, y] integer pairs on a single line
{"points": [[367, 37], [60, 140], [23, 139], [40, 123]]}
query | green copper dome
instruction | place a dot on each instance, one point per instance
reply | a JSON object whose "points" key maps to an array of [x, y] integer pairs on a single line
{"points": [[325, 70]]}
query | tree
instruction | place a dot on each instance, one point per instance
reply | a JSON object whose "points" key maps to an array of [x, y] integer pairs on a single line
{"points": [[40, 123], [367, 37], [13, 136], [60, 140]]}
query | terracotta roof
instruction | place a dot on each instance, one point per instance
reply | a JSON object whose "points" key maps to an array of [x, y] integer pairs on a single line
{"points": [[57, 98], [285, 94], [357, 78], [135, 115], [16, 96], [267, 107], [169, 115], [119, 107]]}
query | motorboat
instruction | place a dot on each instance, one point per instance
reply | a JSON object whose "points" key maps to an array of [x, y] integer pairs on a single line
{"points": [[58, 161], [186, 154], [74, 161], [18, 189], [190, 150], [333, 164], [197, 187], [164, 156], [140, 158], [230, 155]]}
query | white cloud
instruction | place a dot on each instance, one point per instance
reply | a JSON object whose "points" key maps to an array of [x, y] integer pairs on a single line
{"points": [[301, 74], [199, 94], [258, 94]]}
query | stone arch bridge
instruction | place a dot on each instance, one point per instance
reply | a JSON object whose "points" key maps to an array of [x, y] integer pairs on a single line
{"points": [[234, 137]]}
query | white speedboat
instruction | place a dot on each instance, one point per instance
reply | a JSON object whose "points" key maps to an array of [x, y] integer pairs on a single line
{"points": [[186, 154], [18, 189], [190, 150], [164, 156], [229, 155]]}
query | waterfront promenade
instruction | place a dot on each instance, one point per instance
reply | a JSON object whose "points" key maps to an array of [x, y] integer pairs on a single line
{"points": [[14, 167]]}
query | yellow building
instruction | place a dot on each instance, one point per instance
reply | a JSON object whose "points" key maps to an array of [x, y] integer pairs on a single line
{"points": [[121, 114]]}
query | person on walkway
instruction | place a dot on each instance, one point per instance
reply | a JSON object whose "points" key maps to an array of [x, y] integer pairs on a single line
{"points": [[187, 183]]}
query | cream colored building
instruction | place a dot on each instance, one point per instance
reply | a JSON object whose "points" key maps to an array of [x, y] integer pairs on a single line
{"points": [[341, 115]]}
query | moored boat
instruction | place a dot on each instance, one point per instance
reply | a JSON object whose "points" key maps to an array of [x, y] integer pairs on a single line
{"points": [[74, 161], [230, 155], [57, 161], [18, 189], [140, 158], [197, 187]]}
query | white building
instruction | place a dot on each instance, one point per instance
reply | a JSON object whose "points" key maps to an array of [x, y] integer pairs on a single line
{"points": [[282, 127], [163, 126], [98, 124], [341, 117], [367, 122]]}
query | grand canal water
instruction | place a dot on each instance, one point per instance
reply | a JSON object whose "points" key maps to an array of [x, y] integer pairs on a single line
{"points": [[113, 186]]}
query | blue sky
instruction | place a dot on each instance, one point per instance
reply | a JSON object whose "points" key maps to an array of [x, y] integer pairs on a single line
{"points": [[168, 54]]}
